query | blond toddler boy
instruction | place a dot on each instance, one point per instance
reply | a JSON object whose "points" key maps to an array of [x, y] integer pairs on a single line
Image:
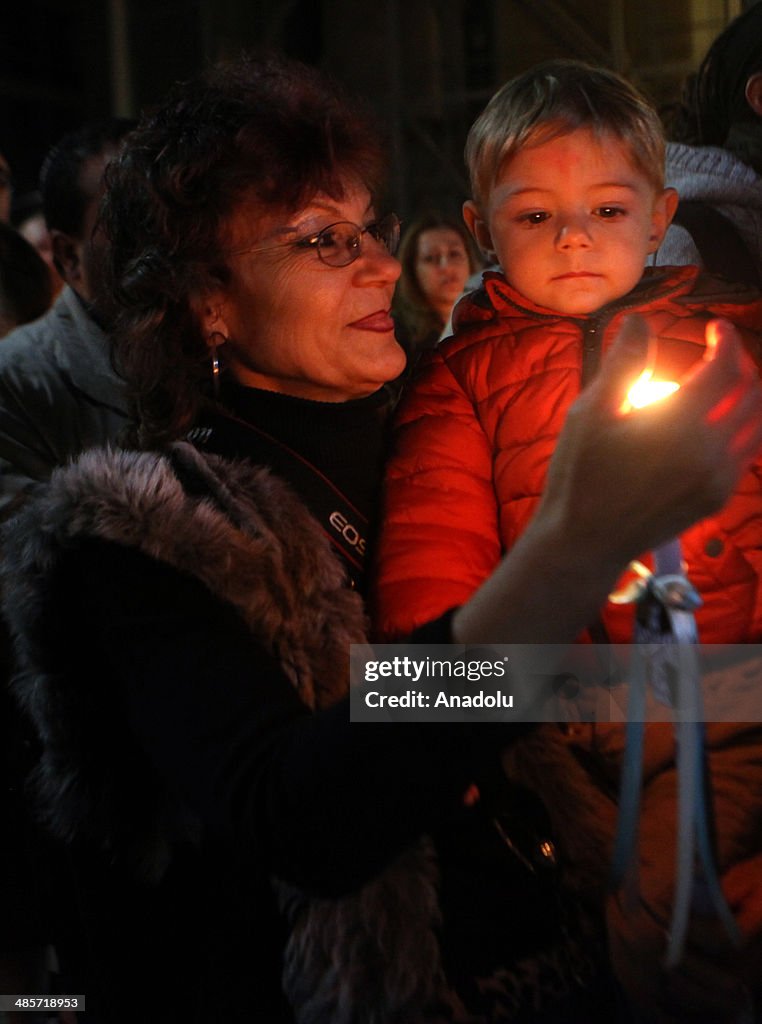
{"points": [[566, 167]]}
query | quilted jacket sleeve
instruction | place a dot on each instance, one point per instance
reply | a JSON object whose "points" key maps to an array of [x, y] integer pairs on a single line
{"points": [[439, 534]]}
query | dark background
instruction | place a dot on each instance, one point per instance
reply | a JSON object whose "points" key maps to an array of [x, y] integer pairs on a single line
{"points": [[427, 66]]}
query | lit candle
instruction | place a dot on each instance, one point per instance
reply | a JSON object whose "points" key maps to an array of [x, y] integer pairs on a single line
{"points": [[646, 390]]}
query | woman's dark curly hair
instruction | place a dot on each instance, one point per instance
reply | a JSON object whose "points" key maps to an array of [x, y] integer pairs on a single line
{"points": [[419, 322], [714, 98], [266, 128]]}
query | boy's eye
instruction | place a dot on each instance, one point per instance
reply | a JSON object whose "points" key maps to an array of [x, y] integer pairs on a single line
{"points": [[535, 217], [609, 212]]}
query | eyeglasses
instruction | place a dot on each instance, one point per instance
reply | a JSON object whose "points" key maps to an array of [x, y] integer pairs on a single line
{"points": [[340, 244]]}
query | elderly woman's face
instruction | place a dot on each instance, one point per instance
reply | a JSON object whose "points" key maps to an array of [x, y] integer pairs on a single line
{"points": [[296, 325]]}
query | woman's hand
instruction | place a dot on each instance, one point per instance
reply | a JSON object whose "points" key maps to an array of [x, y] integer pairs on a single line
{"points": [[620, 484], [625, 482]]}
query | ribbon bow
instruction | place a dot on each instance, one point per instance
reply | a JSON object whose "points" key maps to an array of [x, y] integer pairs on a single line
{"points": [[665, 658]]}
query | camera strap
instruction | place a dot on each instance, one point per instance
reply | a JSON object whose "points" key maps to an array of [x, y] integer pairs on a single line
{"points": [[345, 526]]}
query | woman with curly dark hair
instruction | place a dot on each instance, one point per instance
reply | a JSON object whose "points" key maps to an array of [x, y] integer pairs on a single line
{"points": [[183, 609]]}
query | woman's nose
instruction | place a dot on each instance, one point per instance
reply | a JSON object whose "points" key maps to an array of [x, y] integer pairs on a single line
{"points": [[377, 263]]}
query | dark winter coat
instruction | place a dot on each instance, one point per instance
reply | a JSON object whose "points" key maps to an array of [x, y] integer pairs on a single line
{"points": [[364, 947]]}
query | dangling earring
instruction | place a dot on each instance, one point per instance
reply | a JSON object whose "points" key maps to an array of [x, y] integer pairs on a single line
{"points": [[213, 343]]}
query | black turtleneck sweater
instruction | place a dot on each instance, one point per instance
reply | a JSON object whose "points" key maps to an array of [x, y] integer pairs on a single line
{"points": [[326, 450], [345, 440]]}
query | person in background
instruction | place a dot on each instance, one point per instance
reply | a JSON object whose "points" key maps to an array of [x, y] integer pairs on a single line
{"points": [[715, 158], [183, 608], [59, 393], [566, 166], [29, 220], [437, 256], [6, 190], [25, 291]]}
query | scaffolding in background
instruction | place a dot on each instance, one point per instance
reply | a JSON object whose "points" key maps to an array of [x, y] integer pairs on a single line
{"points": [[427, 66]]}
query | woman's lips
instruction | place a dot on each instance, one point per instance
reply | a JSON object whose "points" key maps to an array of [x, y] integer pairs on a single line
{"points": [[379, 321]]}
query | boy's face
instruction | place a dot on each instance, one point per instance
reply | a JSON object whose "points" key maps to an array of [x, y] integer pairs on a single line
{"points": [[572, 221]]}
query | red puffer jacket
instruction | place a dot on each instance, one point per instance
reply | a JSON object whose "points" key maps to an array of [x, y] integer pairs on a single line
{"points": [[477, 429]]}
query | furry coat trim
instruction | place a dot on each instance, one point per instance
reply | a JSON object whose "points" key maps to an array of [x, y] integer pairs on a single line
{"points": [[370, 957]]}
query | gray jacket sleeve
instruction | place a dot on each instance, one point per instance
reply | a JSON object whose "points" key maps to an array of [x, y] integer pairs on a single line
{"points": [[58, 395], [678, 249]]}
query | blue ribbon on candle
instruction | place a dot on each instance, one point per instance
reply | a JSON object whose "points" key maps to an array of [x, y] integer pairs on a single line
{"points": [[665, 657]]}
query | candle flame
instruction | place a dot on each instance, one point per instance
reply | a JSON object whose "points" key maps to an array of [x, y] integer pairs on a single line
{"points": [[645, 390]]}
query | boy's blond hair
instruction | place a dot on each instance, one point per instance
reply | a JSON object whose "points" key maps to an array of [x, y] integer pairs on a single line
{"points": [[553, 99]]}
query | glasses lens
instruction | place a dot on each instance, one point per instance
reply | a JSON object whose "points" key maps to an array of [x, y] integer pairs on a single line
{"points": [[387, 231], [339, 244]]}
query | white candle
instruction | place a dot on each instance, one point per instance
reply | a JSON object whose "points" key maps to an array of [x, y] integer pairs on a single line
{"points": [[646, 390]]}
